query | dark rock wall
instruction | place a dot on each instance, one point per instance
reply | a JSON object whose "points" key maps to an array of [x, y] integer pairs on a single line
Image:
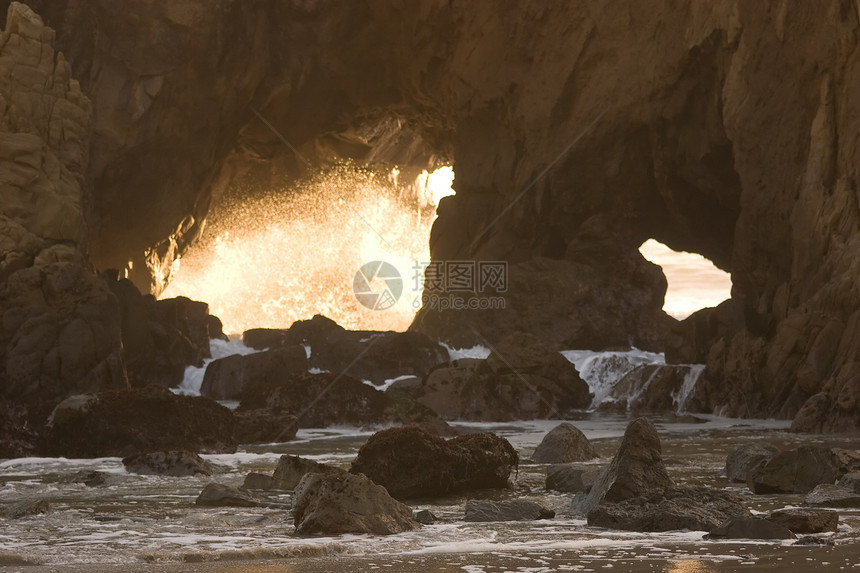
{"points": [[577, 131]]}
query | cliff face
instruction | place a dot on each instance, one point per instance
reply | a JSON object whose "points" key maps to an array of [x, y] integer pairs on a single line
{"points": [[577, 131]]}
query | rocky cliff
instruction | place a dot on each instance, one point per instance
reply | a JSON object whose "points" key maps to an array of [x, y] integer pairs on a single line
{"points": [[577, 131]]}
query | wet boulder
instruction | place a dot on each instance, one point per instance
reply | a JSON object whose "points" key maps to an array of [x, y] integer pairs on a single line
{"points": [[655, 388], [850, 481], [696, 508], [26, 508], [227, 377], [748, 527], [831, 495], [636, 493], [291, 469], [263, 426], [746, 456], [17, 437], [319, 400], [176, 463], [794, 471], [256, 480], [123, 422], [506, 510], [411, 462], [563, 444], [340, 503], [219, 495], [804, 520], [425, 517], [571, 478]]}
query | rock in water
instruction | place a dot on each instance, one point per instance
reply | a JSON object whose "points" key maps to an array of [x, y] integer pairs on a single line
{"points": [[411, 462], [750, 528], [564, 443], [806, 520], [227, 377], [506, 510], [265, 426], [851, 481], [636, 470], [123, 422], [635, 491], [338, 503], [176, 463], [747, 456], [219, 495], [571, 478], [425, 517], [794, 471], [256, 480], [832, 496], [291, 469], [27, 507]]}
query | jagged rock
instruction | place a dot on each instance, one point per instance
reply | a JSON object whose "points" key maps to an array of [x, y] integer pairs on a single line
{"points": [[806, 520], [832, 496], [506, 510], [256, 480], [122, 422], [636, 470], [850, 481], [523, 378], [265, 426], [744, 457], [291, 469], [636, 493], [696, 508], [793, 471], [177, 463], [319, 400], [301, 332], [160, 337], [848, 461], [411, 462], [219, 495], [27, 507], [570, 478], [564, 443], [226, 378], [338, 503], [425, 517], [750, 528]]}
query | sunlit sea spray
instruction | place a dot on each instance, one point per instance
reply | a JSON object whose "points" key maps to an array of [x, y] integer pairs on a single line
{"points": [[290, 253]]}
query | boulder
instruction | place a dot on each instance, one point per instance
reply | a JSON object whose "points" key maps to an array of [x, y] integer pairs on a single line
{"points": [[176, 463], [831, 495], [655, 388], [291, 469], [850, 481], [18, 439], [506, 510], [339, 503], [523, 379], [746, 456], [411, 462], [848, 460], [793, 471], [636, 470], [90, 478], [301, 332], [265, 426], [806, 520], [219, 495], [636, 493], [571, 478], [425, 517], [123, 422], [226, 378], [696, 508], [255, 480], [402, 408], [319, 400], [748, 527], [564, 443]]}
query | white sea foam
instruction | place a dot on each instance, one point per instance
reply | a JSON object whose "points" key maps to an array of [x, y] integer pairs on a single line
{"points": [[473, 352]]}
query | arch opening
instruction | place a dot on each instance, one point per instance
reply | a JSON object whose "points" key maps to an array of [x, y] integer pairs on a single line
{"points": [[267, 259], [694, 282]]}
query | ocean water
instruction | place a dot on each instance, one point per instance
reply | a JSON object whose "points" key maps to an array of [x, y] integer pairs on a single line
{"points": [[149, 520]]}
